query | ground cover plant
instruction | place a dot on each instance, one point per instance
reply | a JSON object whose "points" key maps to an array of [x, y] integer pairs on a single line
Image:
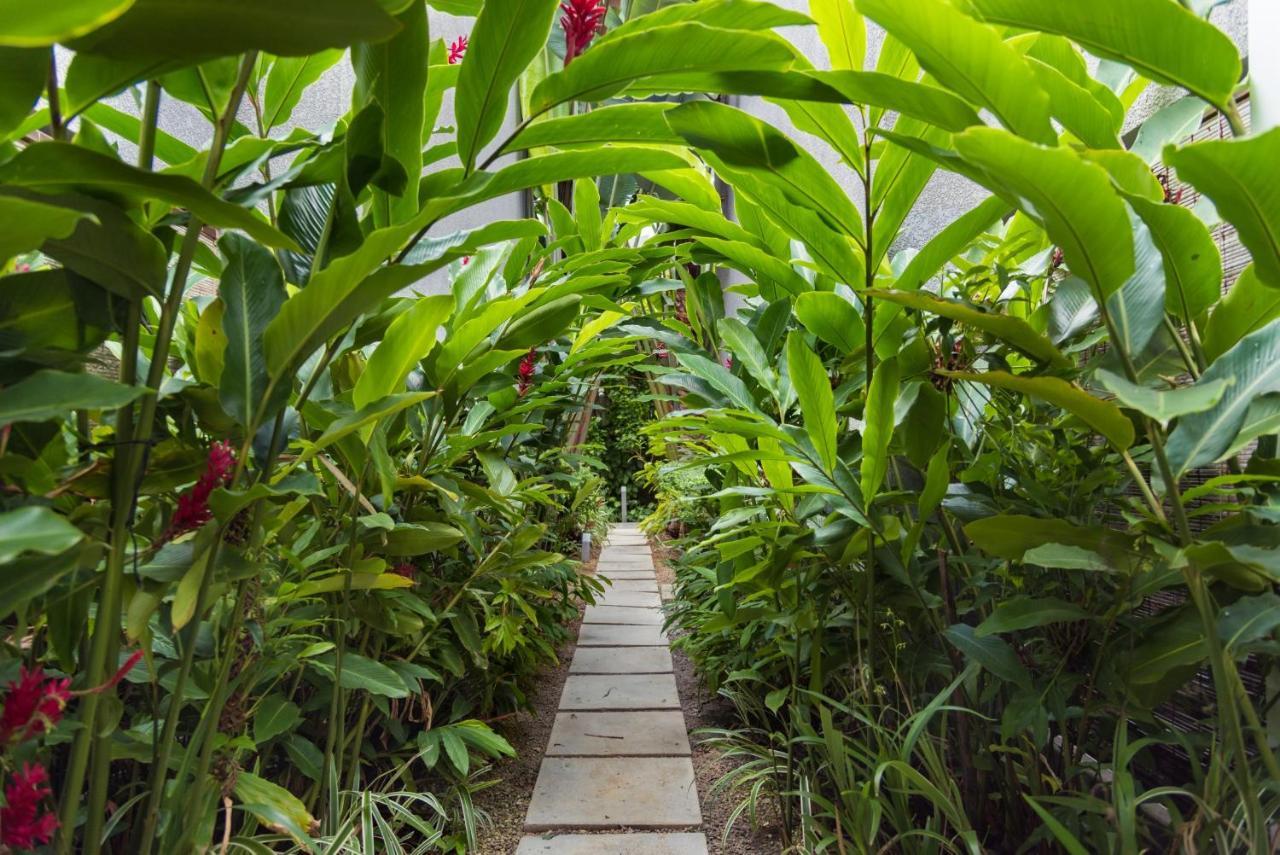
{"points": [[277, 553]]}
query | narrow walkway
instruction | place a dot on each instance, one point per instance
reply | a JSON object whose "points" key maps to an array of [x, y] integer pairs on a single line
{"points": [[617, 778]]}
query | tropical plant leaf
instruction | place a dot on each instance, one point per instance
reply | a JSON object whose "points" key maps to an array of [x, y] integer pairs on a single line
{"points": [[407, 341], [1072, 198], [29, 223], [1165, 405], [1137, 309], [1170, 45], [921, 101], [31, 24], [1011, 536], [842, 30], [949, 242], [1028, 612], [1103, 416], [37, 530], [637, 123], [817, 403], [288, 79], [50, 394], [57, 166], [1254, 364], [992, 653], [1192, 260], [252, 292], [877, 431], [23, 74], [1013, 331], [1240, 177], [1248, 306], [497, 53], [831, 318], [971, 59]]}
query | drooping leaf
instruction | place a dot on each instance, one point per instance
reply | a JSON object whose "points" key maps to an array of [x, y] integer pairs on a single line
{"points": [[421, 538], [992, 653], [686, 49], [1165, 405], [744, 145], [1248, 306], [35, 529], [1239, 175], [1157, 38], [719, 378], [1103, 416], [381, 408], [1192, 260], [637, 123], [1028, 612], [276, 714], [30, 222], [746, 347], [817, 402], [506, 37], [971, 59], [50, 394], [1072, 198], [192, 29], [57, 166], [1011, 536], [1254, 363], [1013, 331], [274, 806], [252, 292], [23, 74], [541, 325], [921, 101], [31, 24]]}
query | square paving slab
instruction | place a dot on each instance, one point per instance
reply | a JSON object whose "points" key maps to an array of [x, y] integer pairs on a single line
{"points": [[622, 614], [618, 635], [620, 692], [631, 599], [671, 843], [619, 734], [621, 660], [611, 792], [649, 585], [628, 575]]}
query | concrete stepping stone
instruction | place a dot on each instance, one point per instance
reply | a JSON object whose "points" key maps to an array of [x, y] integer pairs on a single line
{"points": [[622, 574], [619, 734], [620, 692], [620, 635], [649, 586], [622, 614], [608, 792], [671, 843], [630, 599], [621, 660], [667, 592]]}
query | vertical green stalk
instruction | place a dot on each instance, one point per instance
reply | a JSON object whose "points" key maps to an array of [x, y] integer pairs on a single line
{"points": [[164, 334], [869, 318]]}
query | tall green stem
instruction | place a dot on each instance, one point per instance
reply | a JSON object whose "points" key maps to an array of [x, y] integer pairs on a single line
{"points": [[869, 318]]}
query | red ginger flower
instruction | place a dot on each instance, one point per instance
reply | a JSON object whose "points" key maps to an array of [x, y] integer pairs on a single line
{"points": [[581, 21], [33, 705], [457, 50], [22, 826], [525, 372], [193, 506], [405, 569]]}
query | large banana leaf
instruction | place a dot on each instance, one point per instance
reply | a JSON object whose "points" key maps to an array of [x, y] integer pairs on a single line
{"points": [[1192, 260], [34, 23], [191, 29], [686, 49], [1158, 38], [1254, 365], [971, 59], [1072, 198], [1248, 306], [1241, 178], [754, 151]]}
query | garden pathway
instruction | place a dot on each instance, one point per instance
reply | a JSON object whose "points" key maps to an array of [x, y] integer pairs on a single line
{"points": [[617, 778]]}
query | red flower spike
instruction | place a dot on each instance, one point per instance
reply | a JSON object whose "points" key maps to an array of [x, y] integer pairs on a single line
{"points": [[405, 569], [581, 21], [193, 506], [22, 825], [524, 373], [457, 50], [32, 705]]}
